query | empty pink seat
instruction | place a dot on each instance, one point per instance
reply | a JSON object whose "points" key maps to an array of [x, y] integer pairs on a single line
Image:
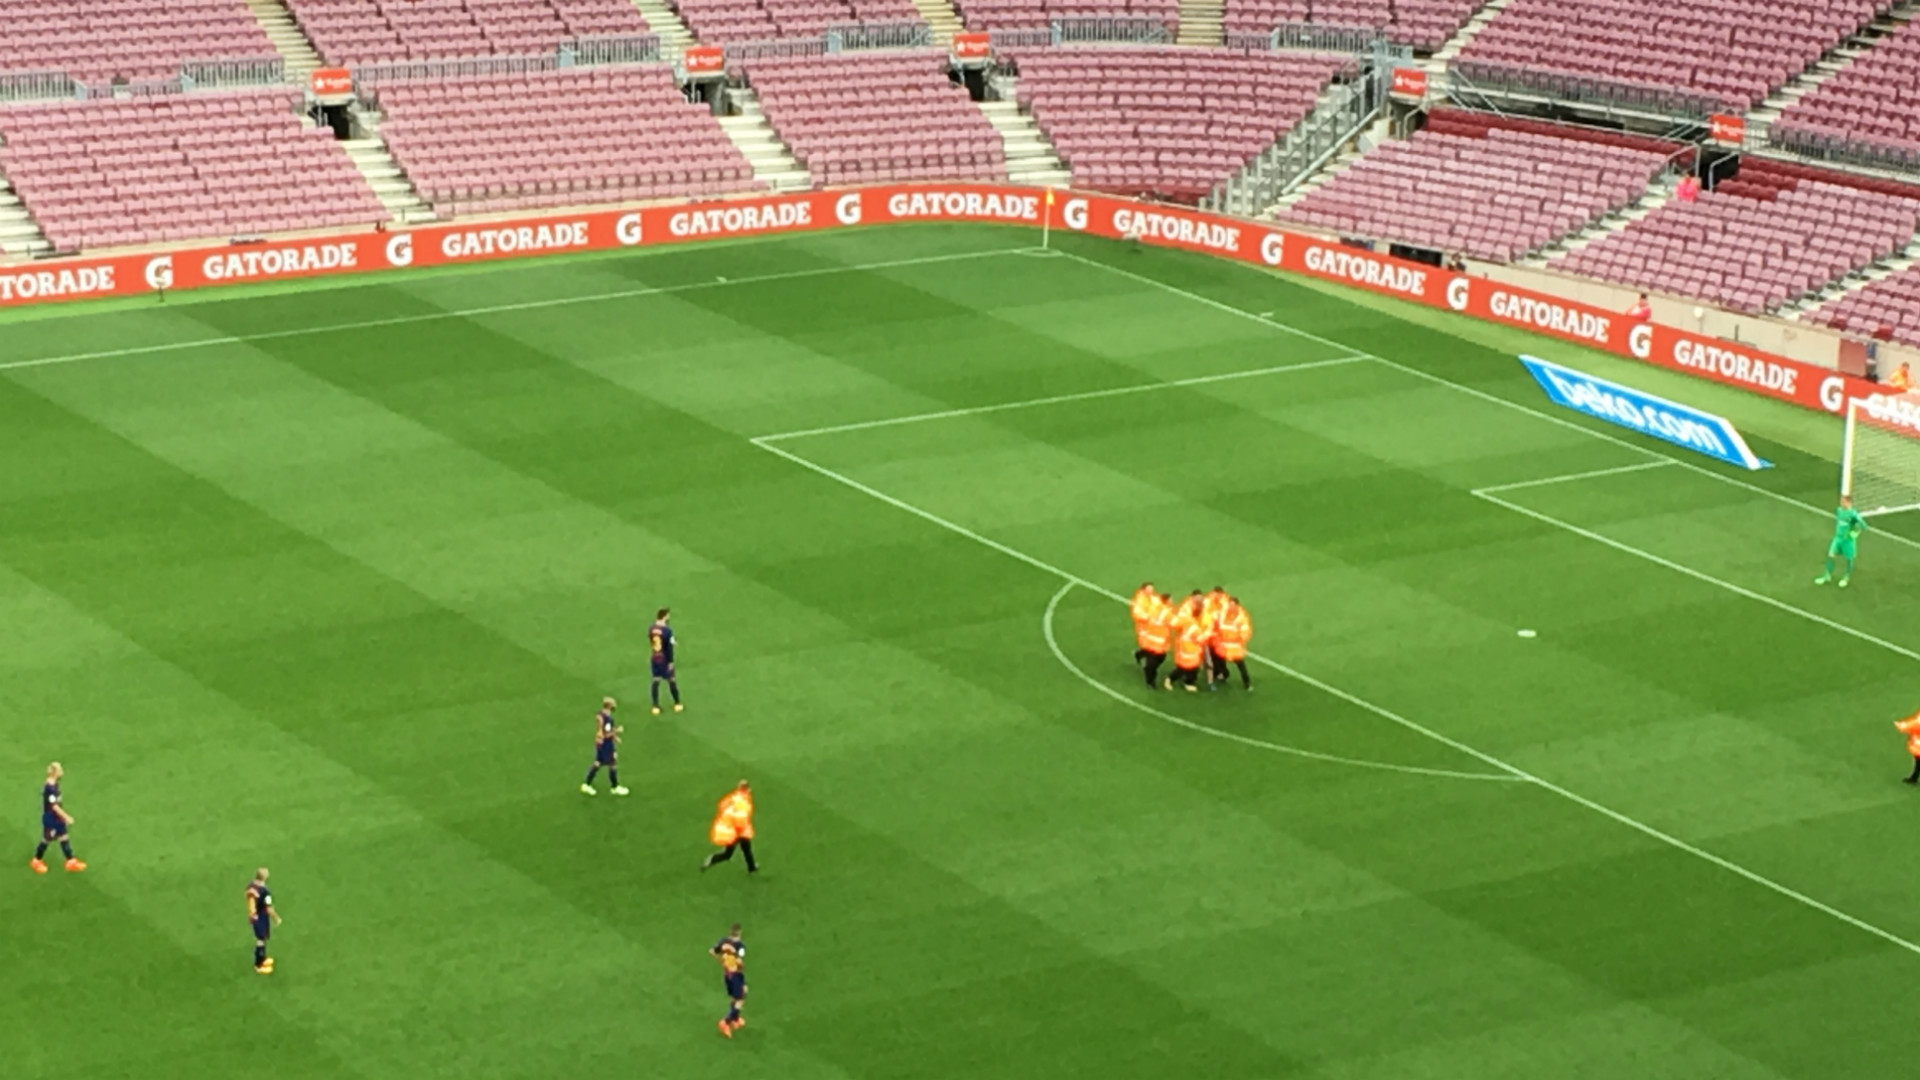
{"points": [[178, 167], [102, 40], [1871, 109], [1726, 55], [1888, 309], [374, 31], [1484, 186], [1421, 24], [1167, 121], [606, 134], [854, 118], [1771, 235], [722, 21]]}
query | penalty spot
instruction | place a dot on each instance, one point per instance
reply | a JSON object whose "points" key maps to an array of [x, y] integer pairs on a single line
{"points": [[1528, 633]]}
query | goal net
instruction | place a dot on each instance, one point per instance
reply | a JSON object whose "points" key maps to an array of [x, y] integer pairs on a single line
{"points": [[1880, 461]]}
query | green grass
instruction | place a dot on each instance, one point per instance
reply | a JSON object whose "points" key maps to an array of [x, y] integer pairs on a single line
{"points": [[340, 602]]}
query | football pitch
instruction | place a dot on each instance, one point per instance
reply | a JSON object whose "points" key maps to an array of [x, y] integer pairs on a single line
{"points": [[330, 580]]}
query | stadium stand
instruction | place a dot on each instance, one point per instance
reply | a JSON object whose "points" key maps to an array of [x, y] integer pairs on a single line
{"points": [[719, 22], [1888, 308], [871, 117], [1871, 108], [1485, 187], [1424, 25], [178, 167], [1168, 121], [600, 134], [101, 40], [1774, 233], [374, 31], [1016, 14], [1729, 52]]}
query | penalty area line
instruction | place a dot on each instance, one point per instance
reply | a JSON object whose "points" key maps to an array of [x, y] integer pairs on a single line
{"points": [[1570, 477], [1059, 399], [1641, 827]]}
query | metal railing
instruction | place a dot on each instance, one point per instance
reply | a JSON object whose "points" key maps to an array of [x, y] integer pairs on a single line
{"points": [[1838, 149], [368, 76], [1348, 109], [1078, 29], [775, 49], [27, 85], [244, 71], [1025, 37], [1347, 39], [637, 49], [904, 35], [1486, 78]]}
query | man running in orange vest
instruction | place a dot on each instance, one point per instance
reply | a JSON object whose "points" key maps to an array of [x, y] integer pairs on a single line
{"points": [[1189, 649], [733, 828], [1910, 727], [1230, 637]]}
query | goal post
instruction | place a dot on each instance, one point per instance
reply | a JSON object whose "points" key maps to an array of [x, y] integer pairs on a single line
{"points": [[1880, 455]]}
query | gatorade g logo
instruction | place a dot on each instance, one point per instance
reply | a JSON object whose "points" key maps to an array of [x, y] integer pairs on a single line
{"points": [[847, 209], [626, 229], [400, 249], [1833, 393], [1458, 290], [1075, 214], [160, 272], [1640, 340], [1273, 249]]}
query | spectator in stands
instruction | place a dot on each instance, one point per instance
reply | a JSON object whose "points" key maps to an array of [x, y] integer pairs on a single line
{"points": [[1689, 189], [1901, 379], [1642, 310], [1456, 263]]}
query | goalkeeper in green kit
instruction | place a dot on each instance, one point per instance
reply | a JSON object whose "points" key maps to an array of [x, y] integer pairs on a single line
{"points": [[1847, 527]]}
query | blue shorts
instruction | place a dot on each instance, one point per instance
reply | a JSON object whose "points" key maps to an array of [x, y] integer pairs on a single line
{"points": [[663, 669], [604, 753], [262, 929], [52, 828], [737, 985]]}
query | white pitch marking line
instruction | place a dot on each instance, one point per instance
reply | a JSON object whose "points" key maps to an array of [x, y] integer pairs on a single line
{"points": [[1463, 388], [1700, 576], [1046, 628], [1058, 399], [1387, 714], [1570, 477], [496, 309]]}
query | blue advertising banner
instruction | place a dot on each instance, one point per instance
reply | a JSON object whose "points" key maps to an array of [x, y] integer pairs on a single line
{"points": [[1679, 424]]}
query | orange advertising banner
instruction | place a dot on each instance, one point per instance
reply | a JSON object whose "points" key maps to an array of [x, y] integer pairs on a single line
{"points": [[1409, 82], [972, 46], [331, 82], [703, 60], [1731, 130]]}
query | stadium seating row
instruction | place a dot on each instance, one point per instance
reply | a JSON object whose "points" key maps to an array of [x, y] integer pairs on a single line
{"points": [[1421, 24], [1767, 238], [720, 22], [1732, 51], [889, 116], [142, 170], [102, 40], [1495, 194], [1872, 105], [604, 134], [1172, 122], [1888, 309], [351, 32]]}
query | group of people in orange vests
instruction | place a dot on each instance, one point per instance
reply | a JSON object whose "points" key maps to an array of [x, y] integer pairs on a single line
{"points": [[1207, 630]]}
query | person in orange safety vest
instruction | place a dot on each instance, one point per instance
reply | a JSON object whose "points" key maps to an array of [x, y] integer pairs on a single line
{"points": [[1145, 599], [1189, 648], [733, 828], [1230, 636], [1910, 727], [1155, 638]]}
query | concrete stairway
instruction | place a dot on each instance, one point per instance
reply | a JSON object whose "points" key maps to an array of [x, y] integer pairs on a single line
{"points": [[287, 37], [1318, 180], [1656, 196], [389, 182], [667, 25], [941, 18], [1031, 158], [773, 164], [1836, 61], [20, 235], [1202, 22], [1452, 46]]}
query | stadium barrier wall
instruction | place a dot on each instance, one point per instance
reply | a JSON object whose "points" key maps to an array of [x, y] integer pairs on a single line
{"points": [[1807, 385]]}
